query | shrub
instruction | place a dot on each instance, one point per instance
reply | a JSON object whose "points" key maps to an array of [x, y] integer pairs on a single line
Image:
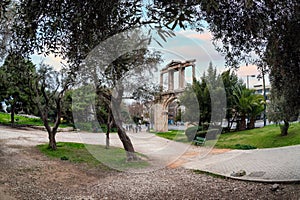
{"points": [[64, 158], [244, 146]]}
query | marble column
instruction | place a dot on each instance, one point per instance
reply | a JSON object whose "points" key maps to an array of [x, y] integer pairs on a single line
{"points": [[181, 78], [171, 80], [161, 81], [193, 72]]}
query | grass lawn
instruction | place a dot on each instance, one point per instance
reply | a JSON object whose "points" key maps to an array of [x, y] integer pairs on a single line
{"points": [[176, 135], [266, 137], [21, 120], [92, 155]]}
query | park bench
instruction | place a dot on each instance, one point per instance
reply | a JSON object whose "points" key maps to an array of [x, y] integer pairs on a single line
{"points": [[199, 141]]}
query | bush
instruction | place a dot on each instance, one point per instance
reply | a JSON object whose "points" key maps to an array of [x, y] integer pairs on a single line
{"points": [[64, 158], [244, 146]]}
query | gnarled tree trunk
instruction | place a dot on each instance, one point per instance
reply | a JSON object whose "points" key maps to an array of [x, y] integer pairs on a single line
{"points": [[52, 141], [130, 153], [251, 123], [117, 118], [12, 114], [284, 128], [109, 124], [242, 125]]}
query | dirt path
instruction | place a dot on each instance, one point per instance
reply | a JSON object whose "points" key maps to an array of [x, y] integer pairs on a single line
{"points": [[26, 174]]}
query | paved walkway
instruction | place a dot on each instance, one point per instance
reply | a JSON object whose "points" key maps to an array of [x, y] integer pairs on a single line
{"points": [[267, 165]]}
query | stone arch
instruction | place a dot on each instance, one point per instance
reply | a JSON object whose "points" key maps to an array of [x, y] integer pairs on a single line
{"points": [[168, 101], [166, 97]]}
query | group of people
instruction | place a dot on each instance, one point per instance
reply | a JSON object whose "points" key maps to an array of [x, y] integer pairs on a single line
{"points": [[134, 128]]}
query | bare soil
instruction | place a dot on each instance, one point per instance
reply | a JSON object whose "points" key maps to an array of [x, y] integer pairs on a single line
{"points": [[27, 174]]}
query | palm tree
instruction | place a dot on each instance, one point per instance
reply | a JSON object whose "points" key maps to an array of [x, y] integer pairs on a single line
{"points": [[257, 107], [247, 104]]}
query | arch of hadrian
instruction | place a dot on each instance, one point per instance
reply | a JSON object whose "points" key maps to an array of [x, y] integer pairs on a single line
{"points": [[166, 97]]}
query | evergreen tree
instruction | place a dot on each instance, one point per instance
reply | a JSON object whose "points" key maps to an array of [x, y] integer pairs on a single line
{"points": [[16, 79]]}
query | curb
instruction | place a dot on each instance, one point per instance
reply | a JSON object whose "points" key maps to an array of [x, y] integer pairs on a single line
{"points": [[296, 181]]}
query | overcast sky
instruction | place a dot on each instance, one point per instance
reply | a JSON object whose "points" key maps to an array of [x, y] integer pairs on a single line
{"points": [[186, 45]]}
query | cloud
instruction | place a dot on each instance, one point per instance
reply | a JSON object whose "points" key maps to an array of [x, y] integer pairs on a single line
{"points": [[248, 70], [193, 45], [205, 36], [52, 60]]}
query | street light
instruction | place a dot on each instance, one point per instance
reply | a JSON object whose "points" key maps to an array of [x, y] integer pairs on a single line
{"points": [[264, 93], [248, 79], [265, 98]]}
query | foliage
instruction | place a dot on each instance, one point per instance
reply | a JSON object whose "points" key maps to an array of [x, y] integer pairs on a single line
{"points": [[265, 29], [230, 81], [247, 104], [78, 25], [67, 113], [49, 88], [173, 14], [278, 111], [146, 92], [244, 146], [72, 28], [7, 16], [189, 100], [16, 80], [199, 95], [266, 137], [113, 78], [178, 116]]}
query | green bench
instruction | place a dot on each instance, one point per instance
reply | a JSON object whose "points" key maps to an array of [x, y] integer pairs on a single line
{"points": [[199, 141]]}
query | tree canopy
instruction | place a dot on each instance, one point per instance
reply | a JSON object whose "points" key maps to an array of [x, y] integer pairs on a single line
{"points": [[264, 32], [15, 80]]}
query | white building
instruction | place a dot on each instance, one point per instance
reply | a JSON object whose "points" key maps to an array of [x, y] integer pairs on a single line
{"points": [[259, 89]]}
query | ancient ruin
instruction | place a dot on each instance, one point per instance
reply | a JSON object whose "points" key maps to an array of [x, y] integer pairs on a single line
{"points": [[168, 96]]}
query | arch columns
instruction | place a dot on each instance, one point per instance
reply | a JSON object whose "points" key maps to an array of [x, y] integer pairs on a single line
{"points": [[160, 118], [161, 106]]}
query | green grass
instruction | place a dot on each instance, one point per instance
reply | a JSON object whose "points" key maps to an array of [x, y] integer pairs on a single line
{"points": [[21, 120], [92, 155], [266, 137], [176, 135]]}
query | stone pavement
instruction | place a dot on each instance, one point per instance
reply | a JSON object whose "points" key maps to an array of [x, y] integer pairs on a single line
{"points": [[264, 165]]}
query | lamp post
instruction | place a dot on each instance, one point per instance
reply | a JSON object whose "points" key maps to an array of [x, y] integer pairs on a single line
{"points": [[248, 79], [264, 94], [265, 98]]}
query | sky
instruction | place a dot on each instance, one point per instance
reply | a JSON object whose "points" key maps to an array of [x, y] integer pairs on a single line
{"points": [[194, 45], [186, 45]]}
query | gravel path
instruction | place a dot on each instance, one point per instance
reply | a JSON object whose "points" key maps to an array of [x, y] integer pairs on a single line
{"points": [[27, 174]]}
